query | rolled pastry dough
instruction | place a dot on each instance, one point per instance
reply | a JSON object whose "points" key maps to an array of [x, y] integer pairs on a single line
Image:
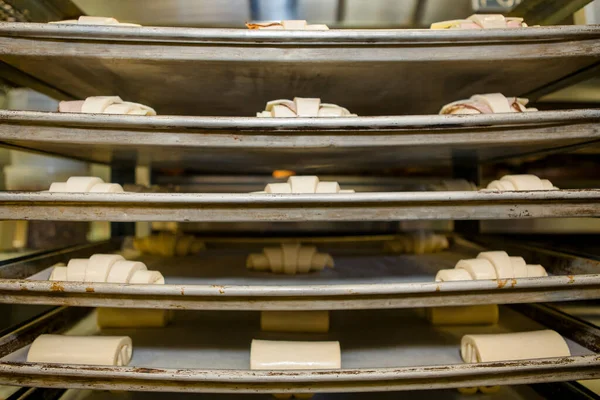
{"points": [[478, 268], [535, 271], [448, 275], [283, 355], [99, 267], [513, 346], [305, 256], [76, 269], [524, 182], [91, 350], [321, 261], [295, 321], [59, 273], [123, 270], [519, 267], [275, 257], [58, 187], [278, 188], [303, 184], [486, 314], [147, 277], [328, 187], [106, 188], [131, 318], [307, 107], [258, 261], [290, 258], [501, 262], [82, 183]]}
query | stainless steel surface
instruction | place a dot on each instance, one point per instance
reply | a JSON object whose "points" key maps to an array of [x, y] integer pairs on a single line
{"points": [[230, 207], [364, 278], [318, 145], [401, 71], [187, 357]]}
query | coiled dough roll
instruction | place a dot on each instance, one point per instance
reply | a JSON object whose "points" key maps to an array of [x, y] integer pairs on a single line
{"points": [[91, 350], [513, 346], [294, 321], [280, 355]]}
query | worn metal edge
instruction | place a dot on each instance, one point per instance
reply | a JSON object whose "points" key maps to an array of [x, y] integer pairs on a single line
{"points": [[368, 37], [347, 380], [249, 125]]}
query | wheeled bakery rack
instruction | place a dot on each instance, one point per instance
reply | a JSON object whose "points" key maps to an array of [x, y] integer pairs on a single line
{"points": [[197, 79]]}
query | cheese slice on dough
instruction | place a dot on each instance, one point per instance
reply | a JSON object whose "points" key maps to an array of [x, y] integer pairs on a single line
{"points": [[513, 346], [284, 355], [91, 350]]}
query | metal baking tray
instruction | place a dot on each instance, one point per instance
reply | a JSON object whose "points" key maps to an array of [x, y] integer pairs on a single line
{"points": [[319, 145], [233, 207], [372, 72], [381, 351], [364, 278]]}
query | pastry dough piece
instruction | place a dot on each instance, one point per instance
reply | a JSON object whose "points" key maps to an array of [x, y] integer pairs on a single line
{"points": [[106, 188], [76, 269], [70, 106], [295, 321], [496, 101], [489, 389], [90, 350], [97, 104], [58, 187], [486, 314], [131, 318], [259, 262], [347, 191], [481, 21], [478, 268], [513, 346], [280, 111], [99, 266], [168, 244], [275, 257], [303, 184], [147, 277], [328, 187], [290, 258], [305, 256], [524, 182], [278, 188], [501, 262], [285, 355], [500, 185], [88, 20], [448, 275], [535, 271], [315, 27], [294, 24], [59, 273], [123, 270], [307, 107], [321, 261], [467, 390], [519, 267], [487, 104], [82, 183]]}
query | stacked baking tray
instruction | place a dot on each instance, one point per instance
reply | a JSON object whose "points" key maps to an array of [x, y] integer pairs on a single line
{"points": [[234, 72]]}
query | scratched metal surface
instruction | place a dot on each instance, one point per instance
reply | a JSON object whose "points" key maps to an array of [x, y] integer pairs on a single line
{"points": [[228, 207], [382, 72], [217, 279], [318, 145]]}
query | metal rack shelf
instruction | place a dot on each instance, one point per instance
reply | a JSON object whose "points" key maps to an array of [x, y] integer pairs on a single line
{"points": [[303, 144], [248, 68], [186, 357], [229, 207], [368, 279]]}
